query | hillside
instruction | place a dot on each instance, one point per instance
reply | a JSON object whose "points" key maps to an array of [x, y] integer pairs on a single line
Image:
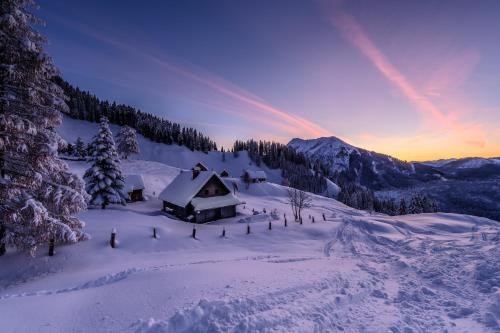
{"points": [[468, 185], [335, 274], [173, 155]]}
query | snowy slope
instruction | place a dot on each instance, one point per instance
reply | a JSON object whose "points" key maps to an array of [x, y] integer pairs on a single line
{"points": [[373, 170], [332, 151], [354, 272], [173, 155], [463, 163]]}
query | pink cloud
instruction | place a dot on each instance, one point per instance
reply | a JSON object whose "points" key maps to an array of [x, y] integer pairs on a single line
{"points": [[454, 71], [293, 123], [354, 33]]}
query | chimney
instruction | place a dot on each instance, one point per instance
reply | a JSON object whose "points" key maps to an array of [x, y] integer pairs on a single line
{"points": [[196, 172]]}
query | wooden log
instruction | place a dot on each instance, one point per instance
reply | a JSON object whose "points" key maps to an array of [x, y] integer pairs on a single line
{"points": [[324, 218]]}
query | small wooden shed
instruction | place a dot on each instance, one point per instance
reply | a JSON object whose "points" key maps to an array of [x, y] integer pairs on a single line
{"points": [[254, 176], [134, 186]]}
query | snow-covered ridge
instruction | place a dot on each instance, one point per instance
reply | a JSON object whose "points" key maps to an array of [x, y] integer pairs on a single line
{"points": [[464, 163], [172, 155], [332, 151]]}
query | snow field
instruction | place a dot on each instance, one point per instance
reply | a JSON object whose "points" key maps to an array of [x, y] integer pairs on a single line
{"points": [[355, 272]]}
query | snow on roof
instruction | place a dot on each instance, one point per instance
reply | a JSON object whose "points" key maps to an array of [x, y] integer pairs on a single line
{"points": [[202, 166], [256, 174], [134, 182], [215, 202], [183, 188]]}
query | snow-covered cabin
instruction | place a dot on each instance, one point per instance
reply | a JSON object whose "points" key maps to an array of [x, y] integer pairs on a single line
{"points": [[224, 173], [254, 176], [134, 187], [201, 166], [199, 196]]}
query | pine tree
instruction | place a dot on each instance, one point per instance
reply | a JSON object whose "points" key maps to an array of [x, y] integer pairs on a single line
{"points": [[38, 195], [402, 207], [69, 149], [127, 142], [80, 149], [104, 180], [416, 205]]}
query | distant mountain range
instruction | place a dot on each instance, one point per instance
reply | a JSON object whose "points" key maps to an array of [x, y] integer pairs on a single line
{"points": [[448, 179]]}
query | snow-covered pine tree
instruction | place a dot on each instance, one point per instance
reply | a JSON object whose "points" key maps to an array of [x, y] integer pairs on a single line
{"points": [[403, 210], [80, 148], [416, 205], [38, 195], [104, 180], [127, 142]]}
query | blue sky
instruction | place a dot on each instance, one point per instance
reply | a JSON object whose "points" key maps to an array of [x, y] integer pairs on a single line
{"points": [[415, 79]]}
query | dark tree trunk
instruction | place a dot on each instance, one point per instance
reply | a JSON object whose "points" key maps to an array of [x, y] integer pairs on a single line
{"points": [[2, 244], [51, 247]]}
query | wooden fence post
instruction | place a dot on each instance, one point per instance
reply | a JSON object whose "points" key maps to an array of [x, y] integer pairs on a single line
{"points": [[51, 247], [223, 232], [286, 224], [324, 218], [154, 232], [194, 232], [248, 229], [112, 241], [270, 226], [313, 219]]}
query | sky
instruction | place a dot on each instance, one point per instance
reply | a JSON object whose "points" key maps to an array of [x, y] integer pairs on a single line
{"points": [[418, 80]]}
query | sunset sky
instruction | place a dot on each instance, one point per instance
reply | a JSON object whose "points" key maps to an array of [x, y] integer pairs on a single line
{"points": [[418, 80]]}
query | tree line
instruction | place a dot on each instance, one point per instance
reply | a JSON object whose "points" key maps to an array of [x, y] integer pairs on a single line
{"points": [[85, 106], [296, 169], [360, 197]]}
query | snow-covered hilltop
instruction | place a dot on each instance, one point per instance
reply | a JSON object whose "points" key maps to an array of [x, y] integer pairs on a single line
{"points": [[464, 163], [332, 151], [172, 155]]}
